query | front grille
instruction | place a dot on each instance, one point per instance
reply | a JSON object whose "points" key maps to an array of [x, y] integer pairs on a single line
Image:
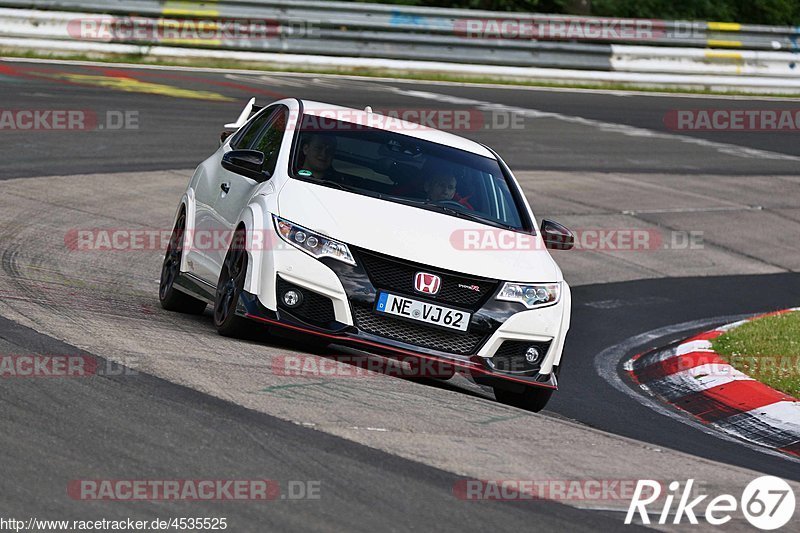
{"points": [[510, 357], [418, 335], [315, 309], [398, 275]]}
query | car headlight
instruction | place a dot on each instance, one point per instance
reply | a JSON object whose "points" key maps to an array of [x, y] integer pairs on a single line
{"points": [[312, 243], [531, 296]]}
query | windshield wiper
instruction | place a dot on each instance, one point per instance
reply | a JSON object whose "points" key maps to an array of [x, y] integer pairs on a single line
{"points": [[476, 218], [426, 204], [332, 184], [341, 186]]}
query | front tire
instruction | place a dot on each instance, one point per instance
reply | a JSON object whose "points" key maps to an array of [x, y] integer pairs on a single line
{"points": [[170, 297], [531, 398], [229, 289]]}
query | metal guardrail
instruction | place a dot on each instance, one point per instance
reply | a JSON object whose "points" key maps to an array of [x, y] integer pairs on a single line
{"points": [[420, 34], [317, 35], [352, 16]]}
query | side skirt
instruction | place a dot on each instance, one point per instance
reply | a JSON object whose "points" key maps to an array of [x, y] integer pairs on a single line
{"points": [[196, 287]]}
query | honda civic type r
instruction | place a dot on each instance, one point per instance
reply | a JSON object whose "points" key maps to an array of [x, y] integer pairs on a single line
{"points": [[362, 230]]}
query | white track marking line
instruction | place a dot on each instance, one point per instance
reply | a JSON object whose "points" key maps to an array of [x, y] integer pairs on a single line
{"points": [[608, 127]]}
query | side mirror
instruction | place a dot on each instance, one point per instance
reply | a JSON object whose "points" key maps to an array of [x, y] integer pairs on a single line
{"points": [[557, 236], [247, 163]]}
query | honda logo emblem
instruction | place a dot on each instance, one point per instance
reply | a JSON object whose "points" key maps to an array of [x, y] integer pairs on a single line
{"points": [[427, 283]]}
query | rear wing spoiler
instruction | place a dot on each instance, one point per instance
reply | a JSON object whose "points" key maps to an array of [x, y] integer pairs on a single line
{"points": [[247, 113], [249, 110]]}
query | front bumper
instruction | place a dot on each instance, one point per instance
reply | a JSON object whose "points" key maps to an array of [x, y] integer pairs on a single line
{"points": [[474, 366], [351, 321]]}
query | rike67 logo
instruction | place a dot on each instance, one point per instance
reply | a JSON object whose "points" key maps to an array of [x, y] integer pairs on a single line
{"points": [[767, 503]]}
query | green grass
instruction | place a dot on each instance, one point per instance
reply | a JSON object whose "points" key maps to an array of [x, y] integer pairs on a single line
{"points": [[766, 349], [371, 72]]}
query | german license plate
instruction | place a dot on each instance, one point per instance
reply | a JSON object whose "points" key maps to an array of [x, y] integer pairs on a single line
{"points": [[429, 313]]}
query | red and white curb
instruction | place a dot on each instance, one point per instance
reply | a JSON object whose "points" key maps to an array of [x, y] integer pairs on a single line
{"points": [[691, 376]]}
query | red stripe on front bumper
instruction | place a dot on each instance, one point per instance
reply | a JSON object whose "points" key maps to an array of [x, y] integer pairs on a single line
{"points": [[473, 367]]}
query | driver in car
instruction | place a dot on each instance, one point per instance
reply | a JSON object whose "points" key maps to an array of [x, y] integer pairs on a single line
{"points": [[317, 153], [441, 186]]}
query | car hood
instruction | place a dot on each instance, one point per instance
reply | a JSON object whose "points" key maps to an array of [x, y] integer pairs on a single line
{"points": [[417, 235]]}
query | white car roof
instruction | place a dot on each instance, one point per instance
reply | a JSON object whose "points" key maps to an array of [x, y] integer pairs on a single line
{"points": [[391, 123]]}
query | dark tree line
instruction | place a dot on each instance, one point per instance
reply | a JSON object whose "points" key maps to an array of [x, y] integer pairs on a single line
{"points": [[775, 12]]}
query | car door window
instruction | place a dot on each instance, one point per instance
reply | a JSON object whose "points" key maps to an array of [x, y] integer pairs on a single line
{"points": [[244, 138], [269, 138]]}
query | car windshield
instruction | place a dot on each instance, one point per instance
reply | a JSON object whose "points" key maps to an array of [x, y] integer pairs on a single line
{"points": [[404, 169]]}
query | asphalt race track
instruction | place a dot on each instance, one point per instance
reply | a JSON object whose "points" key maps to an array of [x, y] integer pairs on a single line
{"points": [[158, 146], [127, 424], [387, 451]]}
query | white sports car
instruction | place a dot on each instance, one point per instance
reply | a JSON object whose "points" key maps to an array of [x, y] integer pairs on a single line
{"points": [[362, 230]]}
